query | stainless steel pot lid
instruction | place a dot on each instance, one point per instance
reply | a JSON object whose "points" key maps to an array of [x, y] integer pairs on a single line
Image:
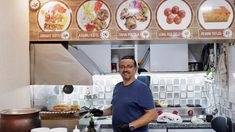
{"points": [[19, 111]]}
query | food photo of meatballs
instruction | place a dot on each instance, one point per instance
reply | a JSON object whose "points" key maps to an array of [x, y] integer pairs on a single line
{"points": [[133, 15], [174, 15], [93, 15]]}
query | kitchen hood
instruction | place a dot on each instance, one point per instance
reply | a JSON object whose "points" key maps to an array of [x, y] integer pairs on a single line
{"points": [[53, 64]]}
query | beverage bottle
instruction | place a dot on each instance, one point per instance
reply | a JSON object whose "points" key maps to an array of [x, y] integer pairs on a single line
{"points": [[91, 127]]}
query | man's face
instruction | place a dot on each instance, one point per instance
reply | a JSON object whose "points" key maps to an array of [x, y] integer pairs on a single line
{"points": [[127, 69]]}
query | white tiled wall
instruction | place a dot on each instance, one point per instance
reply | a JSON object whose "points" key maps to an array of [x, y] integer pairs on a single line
{"points": [[180, 88]]}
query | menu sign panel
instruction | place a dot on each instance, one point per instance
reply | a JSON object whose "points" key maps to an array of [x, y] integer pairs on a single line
{"points": [[215, 18], [174, 18], [132, 18], [70, 20]]}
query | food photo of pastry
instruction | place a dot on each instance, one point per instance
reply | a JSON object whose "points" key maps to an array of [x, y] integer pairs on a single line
{"points": [[54, 16], [172, 15], [215, 14], [93, 15], [133, 15]]}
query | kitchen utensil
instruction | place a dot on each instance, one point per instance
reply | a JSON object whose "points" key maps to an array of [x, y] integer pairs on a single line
{"points": [[143, 62], [19, 120], [68, 89], [209, 117]]}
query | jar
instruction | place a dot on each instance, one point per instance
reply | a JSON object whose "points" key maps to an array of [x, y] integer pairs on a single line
{"points": [[115, 59], [19, 120]]}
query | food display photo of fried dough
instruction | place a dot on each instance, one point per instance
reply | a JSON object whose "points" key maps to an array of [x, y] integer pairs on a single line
{"points": [[133, 15], [216, 14], [93, 15]]}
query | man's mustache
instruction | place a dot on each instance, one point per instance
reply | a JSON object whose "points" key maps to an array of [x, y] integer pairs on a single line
{"points": [[125, 72]]}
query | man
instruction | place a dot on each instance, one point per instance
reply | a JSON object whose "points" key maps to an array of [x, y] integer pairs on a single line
{"points": [[132, 104]]}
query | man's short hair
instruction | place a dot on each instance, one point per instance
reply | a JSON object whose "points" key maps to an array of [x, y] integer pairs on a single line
{"points": [[130, 57]]}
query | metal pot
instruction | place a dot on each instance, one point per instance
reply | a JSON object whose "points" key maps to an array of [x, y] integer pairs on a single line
{"points": [[19, 120], [203, 117], [68, 89]]}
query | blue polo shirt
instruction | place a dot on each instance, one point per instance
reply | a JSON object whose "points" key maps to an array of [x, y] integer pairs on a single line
{"points": [[129, 103]]}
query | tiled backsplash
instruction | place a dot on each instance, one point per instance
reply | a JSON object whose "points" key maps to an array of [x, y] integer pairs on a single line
{"points": [[176, 88], [171, 88]]}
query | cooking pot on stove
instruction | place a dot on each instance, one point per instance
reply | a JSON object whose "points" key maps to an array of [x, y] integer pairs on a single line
{"points": [[19, 120]]}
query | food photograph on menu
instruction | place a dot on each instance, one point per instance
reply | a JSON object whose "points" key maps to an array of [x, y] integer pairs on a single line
{"points": [[133, 15], [174, 15], [54, 16], [215, 14], [93, 15]]}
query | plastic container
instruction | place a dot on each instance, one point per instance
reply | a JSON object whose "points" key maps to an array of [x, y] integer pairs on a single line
{"points": [[115, 59], [76, 129]]}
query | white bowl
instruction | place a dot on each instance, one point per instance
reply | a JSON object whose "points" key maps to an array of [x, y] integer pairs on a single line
{"points": [[40, 129], [58, 129]]}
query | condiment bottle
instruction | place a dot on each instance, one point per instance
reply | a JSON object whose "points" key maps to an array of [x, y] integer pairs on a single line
{"points": [[76, 129]]}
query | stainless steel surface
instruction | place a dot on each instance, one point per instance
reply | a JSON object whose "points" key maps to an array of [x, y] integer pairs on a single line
{"points": [[52, 64], [85, 60], [19, 111]]}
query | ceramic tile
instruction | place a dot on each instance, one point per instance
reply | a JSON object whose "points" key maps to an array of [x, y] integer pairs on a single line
{"points": [[197, 88], [183, 95], [183, 87], [176, 88], [190, 81], [190, 88], [169, 88], [183, 102], [155, 81], [198, 94], [197, 101], [162, 88], [190, 94], [183, 81], [162, 81], [101, 103], [155, 88], [162, 95], [170, 102], [176, 95], [190, 101], [169, 81], [108, 95], [155, 95], [169, 95], [176, 81], [176, 101]]}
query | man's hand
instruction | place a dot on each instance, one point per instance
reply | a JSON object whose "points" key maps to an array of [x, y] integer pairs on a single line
{"points": [[96, 112], [124, 128]]}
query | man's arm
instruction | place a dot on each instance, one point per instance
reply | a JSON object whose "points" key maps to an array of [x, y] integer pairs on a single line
{"points": [[145, 119], [107, 111]]}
